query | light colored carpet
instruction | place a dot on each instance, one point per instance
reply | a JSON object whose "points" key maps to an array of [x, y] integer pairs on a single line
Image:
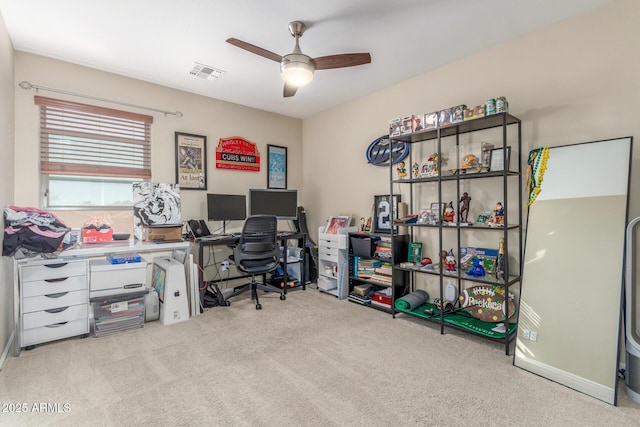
{"points": [[308, 361]]}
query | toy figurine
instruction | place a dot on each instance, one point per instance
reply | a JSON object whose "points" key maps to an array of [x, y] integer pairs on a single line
{"points": [[478, 268], [362, 224], [465, 200], [415, 169], [443, 258], [449, 213], [450, 261], [497, 219], [402, 171]]}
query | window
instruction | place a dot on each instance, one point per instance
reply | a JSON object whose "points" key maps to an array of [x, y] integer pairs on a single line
{"points": [[90, 156]]}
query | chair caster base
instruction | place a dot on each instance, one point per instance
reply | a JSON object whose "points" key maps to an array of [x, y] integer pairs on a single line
{"points": [[258, 306], [283, 297]]}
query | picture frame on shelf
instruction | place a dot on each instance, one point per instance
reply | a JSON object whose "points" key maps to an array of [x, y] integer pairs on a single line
{"points": [[191, 161], [276, 167], [499, 159], [382, 208], [485, 157], [337, 222]]}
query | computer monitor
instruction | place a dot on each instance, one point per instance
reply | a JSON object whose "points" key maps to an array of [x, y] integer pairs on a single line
{"points": [[281, 203], [226, 207], [158, 280]]}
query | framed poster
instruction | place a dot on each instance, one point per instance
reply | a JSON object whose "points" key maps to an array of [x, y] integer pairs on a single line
{"points": [[276, 166], [382, 206], [499, 160], [191, 161]]}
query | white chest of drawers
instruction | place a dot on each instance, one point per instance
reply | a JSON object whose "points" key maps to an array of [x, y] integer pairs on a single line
{"points": [[54, 300], [332, 261]]}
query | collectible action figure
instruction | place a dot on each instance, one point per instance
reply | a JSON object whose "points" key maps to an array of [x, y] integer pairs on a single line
{"points": [[415, 169], [449, 213], [402, 171], [465, 200], [450, 261], [498, 215]]}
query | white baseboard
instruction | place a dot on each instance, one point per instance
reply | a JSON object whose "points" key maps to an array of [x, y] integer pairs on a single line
{"points": [[599, 391], [7, 349]]}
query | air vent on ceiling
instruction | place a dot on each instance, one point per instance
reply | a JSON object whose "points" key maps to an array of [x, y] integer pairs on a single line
{"points": [[204, 71]]}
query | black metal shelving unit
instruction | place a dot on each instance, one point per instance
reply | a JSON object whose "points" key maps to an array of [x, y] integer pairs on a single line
{"points": [[398, 254], [511, 175]]}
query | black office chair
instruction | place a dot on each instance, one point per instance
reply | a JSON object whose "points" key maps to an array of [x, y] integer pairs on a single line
{"points": [[257, 252]]}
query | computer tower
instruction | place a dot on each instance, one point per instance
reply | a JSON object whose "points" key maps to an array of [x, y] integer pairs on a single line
{"points": [[168, 279]]}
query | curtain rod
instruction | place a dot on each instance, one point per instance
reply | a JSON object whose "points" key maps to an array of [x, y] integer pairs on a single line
{"points": [[27, 86]]}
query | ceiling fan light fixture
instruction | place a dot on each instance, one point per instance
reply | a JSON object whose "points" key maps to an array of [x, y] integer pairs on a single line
{"points": [[297, 73]]}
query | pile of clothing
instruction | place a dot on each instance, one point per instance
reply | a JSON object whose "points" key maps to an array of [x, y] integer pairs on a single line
{"points": [[29, 232]]}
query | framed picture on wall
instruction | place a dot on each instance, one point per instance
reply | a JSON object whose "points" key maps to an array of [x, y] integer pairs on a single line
{"points": [[382, 208], [191, 161], [276, 167]]}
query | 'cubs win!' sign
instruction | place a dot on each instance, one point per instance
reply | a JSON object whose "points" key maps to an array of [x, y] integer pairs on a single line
{"points": [[382, 151], [237, 153]]}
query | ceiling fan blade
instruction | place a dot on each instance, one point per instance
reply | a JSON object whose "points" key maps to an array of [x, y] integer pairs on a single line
{"points": [[255, 49], [289, 90], [341, 61]]}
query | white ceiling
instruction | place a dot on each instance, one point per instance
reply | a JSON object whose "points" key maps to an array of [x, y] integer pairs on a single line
{"points": [[159, 40]]}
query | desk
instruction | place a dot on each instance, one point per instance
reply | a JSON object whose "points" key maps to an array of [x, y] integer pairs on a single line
{"points": [[77, 263], [231, 241]]}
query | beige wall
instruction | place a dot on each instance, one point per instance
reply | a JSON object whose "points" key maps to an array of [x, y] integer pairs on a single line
{"points": [[6, 178], [574, 81], [203, 116]]}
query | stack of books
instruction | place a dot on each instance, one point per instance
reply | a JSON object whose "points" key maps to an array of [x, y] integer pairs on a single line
{"points": [[383, 247], [383, 275], [364, 268]]}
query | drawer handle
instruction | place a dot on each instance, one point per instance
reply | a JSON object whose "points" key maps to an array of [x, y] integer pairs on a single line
{"points": [[58, 265], [60, 279], [56, 325], [133, 286], [56, 310], [58, 295]]}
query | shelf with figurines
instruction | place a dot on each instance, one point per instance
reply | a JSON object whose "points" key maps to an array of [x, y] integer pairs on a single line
{"points": [[456, 217], [476, 265], [444, 215], [488, 162]]}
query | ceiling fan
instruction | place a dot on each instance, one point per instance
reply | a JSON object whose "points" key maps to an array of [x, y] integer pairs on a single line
{"points": [[297, 68]]}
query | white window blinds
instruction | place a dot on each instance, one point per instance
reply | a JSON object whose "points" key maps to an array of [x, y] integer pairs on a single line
{"points": [[80, 139]]}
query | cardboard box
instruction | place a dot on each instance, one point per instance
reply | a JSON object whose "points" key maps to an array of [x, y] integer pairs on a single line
{"points": [[169, 233], [457, 113], [431, 120]]}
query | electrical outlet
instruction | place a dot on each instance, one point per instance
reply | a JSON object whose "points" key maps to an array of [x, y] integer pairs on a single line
{"points": [[526, 334], [225, 265], [533, 336]]}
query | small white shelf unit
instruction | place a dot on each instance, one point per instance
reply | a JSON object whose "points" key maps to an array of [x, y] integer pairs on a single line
{"points": [[333, 258]]}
